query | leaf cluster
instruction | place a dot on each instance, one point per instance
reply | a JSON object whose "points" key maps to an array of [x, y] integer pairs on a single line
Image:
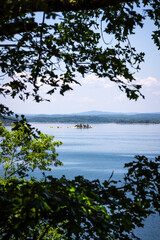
{"points": [[56, 50], [21, 151], [79, 208]]}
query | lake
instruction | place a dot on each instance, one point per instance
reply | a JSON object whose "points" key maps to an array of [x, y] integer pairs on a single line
{"points": [[96, 152]]}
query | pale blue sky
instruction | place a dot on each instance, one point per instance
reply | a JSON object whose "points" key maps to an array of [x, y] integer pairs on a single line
{"points": [[101, 94]]}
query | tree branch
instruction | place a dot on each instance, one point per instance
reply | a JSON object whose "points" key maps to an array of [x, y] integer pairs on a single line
{"points": [[11, 28], [24, 6], [8, 45], [40, 49]]}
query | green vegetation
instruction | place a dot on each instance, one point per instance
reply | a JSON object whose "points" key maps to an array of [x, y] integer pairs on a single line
{"points": [[51, 53], [74, 209], [21, 153], [82, 126], [58, 209], [119, 118]]}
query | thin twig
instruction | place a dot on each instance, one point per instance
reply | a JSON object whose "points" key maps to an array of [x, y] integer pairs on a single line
{"points": [[40, 48], [103, 36], [8, 45]]}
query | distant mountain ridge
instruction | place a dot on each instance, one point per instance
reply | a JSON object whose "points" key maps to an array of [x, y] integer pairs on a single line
{"points": [[96, 117], [88, 113]]}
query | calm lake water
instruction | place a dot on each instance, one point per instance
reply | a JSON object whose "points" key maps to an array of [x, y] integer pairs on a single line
{"points": [[95, 153]]}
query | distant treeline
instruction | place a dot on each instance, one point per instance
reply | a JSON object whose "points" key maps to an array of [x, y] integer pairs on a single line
{"points": [[7, 121], [137, 118]]}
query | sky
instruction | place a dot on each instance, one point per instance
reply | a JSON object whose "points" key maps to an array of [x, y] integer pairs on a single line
{"points": [[97, 94]]}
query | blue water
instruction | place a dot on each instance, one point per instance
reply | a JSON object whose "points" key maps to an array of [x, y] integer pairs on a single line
{"points": [[95, 153]]}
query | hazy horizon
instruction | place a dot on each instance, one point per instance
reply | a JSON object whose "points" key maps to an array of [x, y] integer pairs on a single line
{"points": [[92, 112]]}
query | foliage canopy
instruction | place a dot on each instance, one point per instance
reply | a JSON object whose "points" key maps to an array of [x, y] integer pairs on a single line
{"points": [[56, 49], [79, 208], [21, 153]]}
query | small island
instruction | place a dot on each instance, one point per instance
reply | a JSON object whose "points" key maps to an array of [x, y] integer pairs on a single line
{"points": [[82, 126]]}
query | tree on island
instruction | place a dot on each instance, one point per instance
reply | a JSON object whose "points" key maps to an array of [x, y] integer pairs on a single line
{"points": [[82, 126], [32, 55]]}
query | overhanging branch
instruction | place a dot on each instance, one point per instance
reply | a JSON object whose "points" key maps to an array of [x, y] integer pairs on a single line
{"points": [[24, 6], [8, 45]]}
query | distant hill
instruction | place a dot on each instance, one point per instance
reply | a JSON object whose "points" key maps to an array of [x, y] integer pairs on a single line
{"points": [[96, 117], [92, 113]]}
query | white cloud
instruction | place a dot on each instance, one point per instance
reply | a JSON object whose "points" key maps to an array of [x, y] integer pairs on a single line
{"points": [[92, 79], [149, 82], [121, 78], [145, 82]]}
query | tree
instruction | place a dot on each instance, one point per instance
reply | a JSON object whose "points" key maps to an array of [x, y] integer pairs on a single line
{"points": [[56, 5], [21, 153], [34, 52], [79, 208]]}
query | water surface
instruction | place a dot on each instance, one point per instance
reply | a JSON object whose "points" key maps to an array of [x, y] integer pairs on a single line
{"points": [[97, 152]]}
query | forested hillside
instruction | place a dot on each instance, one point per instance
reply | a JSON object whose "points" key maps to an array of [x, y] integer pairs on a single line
{"points": [[104, 118]]}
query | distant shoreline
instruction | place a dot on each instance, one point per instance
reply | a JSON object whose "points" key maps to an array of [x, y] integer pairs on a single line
{"points": [[97, 123], [151, 118], [107, 118]]}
